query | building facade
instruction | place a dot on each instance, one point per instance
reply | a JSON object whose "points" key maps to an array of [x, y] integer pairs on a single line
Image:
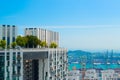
{"points": [[33, 64], [45, 64], [8, 33], [109, 75], [74, 75], [91, 74], [11, 64], [43, 35]]}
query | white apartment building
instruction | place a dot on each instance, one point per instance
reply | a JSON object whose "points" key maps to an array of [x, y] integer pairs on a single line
{"points": [[11, 64], [33, 64], [43, 35], [8, 33], [74, 75], [46, 64], [109, 75], [91, 74]]}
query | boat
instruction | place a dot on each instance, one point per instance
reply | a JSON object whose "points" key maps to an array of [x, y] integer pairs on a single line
{"points": [[118, 61], [75, 62]]}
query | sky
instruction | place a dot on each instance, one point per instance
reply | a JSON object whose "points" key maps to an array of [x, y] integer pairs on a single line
{"points": [[82, 24]]}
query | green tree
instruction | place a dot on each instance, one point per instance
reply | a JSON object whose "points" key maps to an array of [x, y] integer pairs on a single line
{"points": [[43, 44], [21, 41], [2, 43], [32, 41], [13, 44], [8, 46], [53, 45]]}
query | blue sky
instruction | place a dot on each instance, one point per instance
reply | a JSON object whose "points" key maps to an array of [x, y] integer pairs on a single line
{"points": [[82, 24]]}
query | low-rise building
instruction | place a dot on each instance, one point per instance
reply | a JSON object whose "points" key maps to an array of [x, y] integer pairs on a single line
{"points": [[109, 75], [74, 75], [91, 74]]}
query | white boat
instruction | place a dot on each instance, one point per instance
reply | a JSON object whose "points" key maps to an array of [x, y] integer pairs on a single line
{"points": [[96, 63], [119, 62], [75, 62]]}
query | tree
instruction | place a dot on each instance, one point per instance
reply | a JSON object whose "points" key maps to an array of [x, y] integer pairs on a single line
{"points": [[43, 44], [13, 44], [8, 46], [2, 43], [32, 41], [53, 45], [21, 41]]}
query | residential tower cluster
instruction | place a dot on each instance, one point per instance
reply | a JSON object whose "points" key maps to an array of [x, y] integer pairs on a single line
{"points": [[32, 63]]}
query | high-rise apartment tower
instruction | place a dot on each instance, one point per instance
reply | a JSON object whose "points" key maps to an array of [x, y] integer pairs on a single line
{"points": [[8, 33], [43, 35]]}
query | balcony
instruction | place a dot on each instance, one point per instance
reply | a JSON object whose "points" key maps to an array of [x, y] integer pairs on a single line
{"points": [[60, 57], [51, 59], [58, 70], [18, 64], [51, 68], [18, 57], [14, 62], [50, 78], [16, 74]]}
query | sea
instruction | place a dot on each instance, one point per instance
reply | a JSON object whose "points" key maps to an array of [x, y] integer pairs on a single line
{"points": [[78, 66]]}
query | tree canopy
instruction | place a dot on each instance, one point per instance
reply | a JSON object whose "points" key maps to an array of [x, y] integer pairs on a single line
{"points": [[28, 42], [53, 45], [32, 41], [43, 44], [21, 41], [13, 44], [2, 43]]}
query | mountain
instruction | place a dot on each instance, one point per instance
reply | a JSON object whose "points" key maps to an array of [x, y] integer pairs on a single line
{"points": [[78, 53]]}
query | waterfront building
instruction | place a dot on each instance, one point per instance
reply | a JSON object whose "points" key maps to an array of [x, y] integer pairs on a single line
{"points": [[33, 64], [91, 74], [44, 35], [8, 33]]}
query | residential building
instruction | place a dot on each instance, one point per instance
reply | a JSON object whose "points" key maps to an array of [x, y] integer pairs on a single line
{"points": [[45, 64], [91, 74], [109, 75], [74, 75], [11, 64], [33, 64], [43, 35], [8, 33]]}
